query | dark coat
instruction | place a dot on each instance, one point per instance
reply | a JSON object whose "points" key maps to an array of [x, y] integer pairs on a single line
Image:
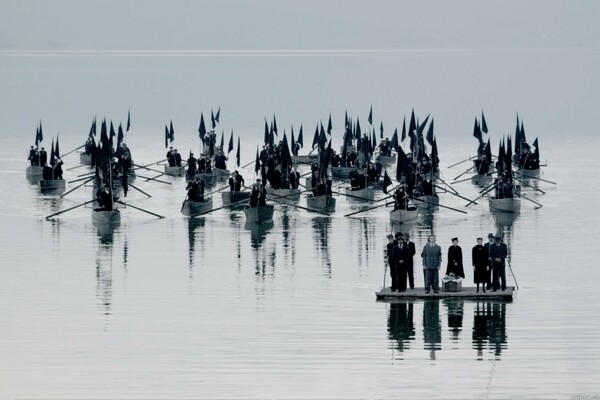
{"points": [[411, 252], [480, 262], [401, 253], [455, 261]]}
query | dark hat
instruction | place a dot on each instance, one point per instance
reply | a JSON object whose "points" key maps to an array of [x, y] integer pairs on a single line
{"points": [[399, 235], [455, 238], [498, 237], [479, 238], [407, 235], [490, 235], [390, 236]]}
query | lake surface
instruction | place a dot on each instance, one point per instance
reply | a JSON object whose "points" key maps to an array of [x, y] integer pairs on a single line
{"points": [[211, 307]]}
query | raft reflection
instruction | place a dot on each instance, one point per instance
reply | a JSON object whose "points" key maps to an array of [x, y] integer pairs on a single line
{"points": [[489, 325]]}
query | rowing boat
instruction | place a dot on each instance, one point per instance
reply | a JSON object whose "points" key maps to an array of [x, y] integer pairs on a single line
{"points": [[194, 208], [85, 159], [174, 171], [52, 186], [230, 198], [33, 171], [404, 216], [341, 172], [321, 203], [367, 193], [259, 214], [509, 204], [104, 217]]}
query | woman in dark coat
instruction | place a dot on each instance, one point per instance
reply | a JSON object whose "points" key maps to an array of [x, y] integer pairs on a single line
{"points": [[455, 260], [480, 264]]}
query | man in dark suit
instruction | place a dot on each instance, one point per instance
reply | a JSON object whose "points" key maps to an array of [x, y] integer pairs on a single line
{"points": [[498, 253], [409, 261], [401, 255], [490, 242], [390, 260]]}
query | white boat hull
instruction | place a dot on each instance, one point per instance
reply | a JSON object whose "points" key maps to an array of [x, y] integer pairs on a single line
{"points": [[195, 208], [53, 186], [259, 215], [239, 199], [85, 159], [404, 216], [321, 203], [367, 193], [34, 171], [509, 205], [341, 172], [174, 171], [106, 217], [284, 194]]}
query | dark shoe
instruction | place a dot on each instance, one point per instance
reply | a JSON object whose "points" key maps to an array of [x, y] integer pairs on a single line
{"points": [[493, 290], [477, 291], [412, 287], [427, 292], [436, 291], [483, 290]]}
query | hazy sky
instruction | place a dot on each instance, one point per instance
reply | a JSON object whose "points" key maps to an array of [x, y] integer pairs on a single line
{"points": [[66, 61]]}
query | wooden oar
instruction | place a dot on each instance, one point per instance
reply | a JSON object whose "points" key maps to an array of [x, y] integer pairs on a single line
{"points": [[366, 209], [489, 189], [75, 167], [80, 179], [538, 178], [464, 172], [460, 162], [528, 185], [295, 205], [448, 186], [76, 187], [440, 205], [138, 189], [153, 179], [513, 274], [140, 209], [86, 174], [69, 209], [527, 198], [458, 195], [146, 168], [66, 154], [218, 208]]}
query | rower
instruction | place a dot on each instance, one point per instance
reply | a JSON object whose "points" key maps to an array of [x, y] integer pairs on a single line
{"points": [[43, 158], [191, 163], [236, 181]]}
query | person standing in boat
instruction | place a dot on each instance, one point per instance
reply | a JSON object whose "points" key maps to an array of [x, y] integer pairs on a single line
{"points": [[427, 186], [432, 260], [170, 157], [177, 158], [258, 195], [455, 260], [498, 254], [33, 157], [220, 160], [58, 171], [481, 267], [191, 165], [43, 158], [400, 199], [410, 260], [103, 197], [236, 181], [392, 243]]}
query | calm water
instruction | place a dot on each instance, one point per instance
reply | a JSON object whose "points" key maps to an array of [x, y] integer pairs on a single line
{"points": [[214, 308]]}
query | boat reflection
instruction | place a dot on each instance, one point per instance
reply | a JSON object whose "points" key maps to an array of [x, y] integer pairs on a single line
{"points": [[193, 233], [104, 266], [258, 232], [106, 232], [321, 233], [489, 326]]}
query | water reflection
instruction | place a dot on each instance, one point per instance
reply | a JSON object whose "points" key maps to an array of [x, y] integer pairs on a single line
{"points": [[288, 224], [489, 325], [321, 231], [193, 225], [432, 327], [455, 310], [104, 265], [401, 326]]}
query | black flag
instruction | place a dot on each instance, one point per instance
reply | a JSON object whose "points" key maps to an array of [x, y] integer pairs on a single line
{"points": [[370, 119], [120, 135], [484, 127], [386, 182], [237, 154], [275, 125], [381, 130], [300, 140], [230, 146], [128, 120], [39, 136], [430, 133], [56, 149], [212, 120], [329, 126], [394, 141], [218, 115], [171, 132], [477, 131], [222, 140], [403, 130], [202, 128], [166, 136], [257, 162]]}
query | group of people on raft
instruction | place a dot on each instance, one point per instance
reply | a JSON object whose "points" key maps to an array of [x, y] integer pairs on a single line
{"points": [[488, 261]]}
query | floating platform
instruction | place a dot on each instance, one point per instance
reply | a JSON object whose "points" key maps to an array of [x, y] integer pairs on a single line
{"points": [[466, 293]]}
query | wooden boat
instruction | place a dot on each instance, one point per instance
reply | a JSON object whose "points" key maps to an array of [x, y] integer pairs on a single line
{"points": [[367, 193], [52, 186], [85, 159], [465, 293], [102, 217], [510, 205], [33, 171], [284, 194], [308, 183], [321, 203], [387, 160], [341, 172], [194, 208], [427, 202], [220, 173], [175, 171], [207, 177], [239, 199], [401, 216], [306, 159], [259, 214]]}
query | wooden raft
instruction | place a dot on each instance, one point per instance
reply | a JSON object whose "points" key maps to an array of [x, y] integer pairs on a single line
{"points": [[466, 293]]}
